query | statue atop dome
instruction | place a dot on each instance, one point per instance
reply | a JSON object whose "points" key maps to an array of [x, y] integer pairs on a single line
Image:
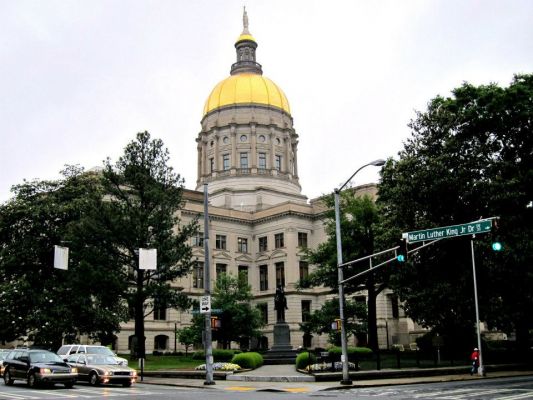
{"points": [[245, 30]]}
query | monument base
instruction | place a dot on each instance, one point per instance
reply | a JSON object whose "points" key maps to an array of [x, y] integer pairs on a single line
{"points": [[281, 352]]}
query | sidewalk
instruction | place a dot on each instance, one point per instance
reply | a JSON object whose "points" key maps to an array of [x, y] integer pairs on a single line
{"points": [[284, 378]]}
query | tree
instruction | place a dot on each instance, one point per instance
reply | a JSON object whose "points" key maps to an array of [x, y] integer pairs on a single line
{"points": [[140, 210], [239, 320], [470, 156], [320, 321], [359, 222], [189, 336], [36, 300]]}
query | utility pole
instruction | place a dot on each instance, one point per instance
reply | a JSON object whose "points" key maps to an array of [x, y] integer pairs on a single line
{"points": [[207, 284]]}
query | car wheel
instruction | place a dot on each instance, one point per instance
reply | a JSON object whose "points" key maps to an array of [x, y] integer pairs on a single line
{"points": [[7, 377], [32, 381], [69, 385], [126, 384], [93, 379]]}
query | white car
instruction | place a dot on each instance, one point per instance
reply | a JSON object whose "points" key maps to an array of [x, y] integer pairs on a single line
{"points": [[68, 349]]}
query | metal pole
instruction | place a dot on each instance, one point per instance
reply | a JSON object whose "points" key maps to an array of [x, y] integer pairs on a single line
{"points": [[207, 285], [481, 368], [344, 346]]}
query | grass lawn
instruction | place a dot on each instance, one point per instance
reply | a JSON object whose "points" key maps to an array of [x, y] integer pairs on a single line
{"points": [[154, 363]]}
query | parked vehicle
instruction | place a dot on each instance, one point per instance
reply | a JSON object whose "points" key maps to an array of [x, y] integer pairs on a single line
{"points": [[38, 366], [3, 355], [101, 369], [68, 349]]}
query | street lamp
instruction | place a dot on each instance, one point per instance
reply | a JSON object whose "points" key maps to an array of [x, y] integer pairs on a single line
{"points": [[344, 358]]}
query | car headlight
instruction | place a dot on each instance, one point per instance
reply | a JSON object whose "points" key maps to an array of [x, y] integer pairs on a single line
{"points": [[74, 370], [108, 373], [44, 371], [133, 373]]}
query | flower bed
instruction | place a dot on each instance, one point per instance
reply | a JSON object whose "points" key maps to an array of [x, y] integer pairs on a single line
{"points": [[324, 367], [220, 366]]}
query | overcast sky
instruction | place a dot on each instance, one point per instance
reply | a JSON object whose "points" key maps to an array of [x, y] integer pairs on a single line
{"points": [[78, 79]]}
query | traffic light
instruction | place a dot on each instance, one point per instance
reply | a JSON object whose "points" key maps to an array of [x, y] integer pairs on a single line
{"points": [[215, 323], [496, 244], [401, 252]]}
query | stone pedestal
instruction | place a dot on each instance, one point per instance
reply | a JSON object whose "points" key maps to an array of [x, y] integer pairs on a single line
{"points": [[282, 337], [281, 352]]}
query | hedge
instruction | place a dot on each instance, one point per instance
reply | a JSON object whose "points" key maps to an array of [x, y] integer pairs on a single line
{"points": [[354, 353], [304, 359], [247, 360], [218, 354]]}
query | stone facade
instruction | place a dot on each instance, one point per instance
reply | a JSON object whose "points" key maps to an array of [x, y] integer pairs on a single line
{"points": [[259, 220]]}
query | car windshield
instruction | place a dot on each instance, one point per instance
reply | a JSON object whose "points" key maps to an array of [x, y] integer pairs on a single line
{"points": [[100, 350], [101, 359], [44, 357]]}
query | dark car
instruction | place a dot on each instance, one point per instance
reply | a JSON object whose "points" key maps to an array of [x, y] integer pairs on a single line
{"points": [[38, 366], [101, 369]]}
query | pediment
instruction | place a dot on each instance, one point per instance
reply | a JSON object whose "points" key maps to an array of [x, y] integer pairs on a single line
{"points": [[278, 254], [221, 255], [245, 258], [198, 253], [262, 257]]}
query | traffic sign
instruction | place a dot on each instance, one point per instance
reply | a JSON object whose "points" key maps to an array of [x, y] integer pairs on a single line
{"points": [[471, 228], [205, 304]]}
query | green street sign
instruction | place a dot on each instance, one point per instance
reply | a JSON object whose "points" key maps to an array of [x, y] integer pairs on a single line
{"points": [[471, 228]]}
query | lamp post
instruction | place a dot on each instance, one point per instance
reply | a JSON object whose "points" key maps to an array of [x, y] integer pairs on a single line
{"points": [[344, 346]]}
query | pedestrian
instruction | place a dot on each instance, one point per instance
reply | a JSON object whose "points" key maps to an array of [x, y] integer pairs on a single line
{"points": [[475, 361]]}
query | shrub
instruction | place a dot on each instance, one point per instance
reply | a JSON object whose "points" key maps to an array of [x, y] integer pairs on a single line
{"points": [[304, 359], [250, 360], [218, 354], [354, 353]]}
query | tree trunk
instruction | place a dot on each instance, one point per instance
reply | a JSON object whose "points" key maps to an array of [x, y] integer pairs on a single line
{"points": [[372, 321], [140, 348]]}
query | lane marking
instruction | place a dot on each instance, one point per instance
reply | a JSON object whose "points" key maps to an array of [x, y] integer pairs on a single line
{"points": [[240, 388], [297, 390]]}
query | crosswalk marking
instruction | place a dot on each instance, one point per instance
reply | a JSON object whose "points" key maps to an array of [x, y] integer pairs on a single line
{"points": [[527, 395]]}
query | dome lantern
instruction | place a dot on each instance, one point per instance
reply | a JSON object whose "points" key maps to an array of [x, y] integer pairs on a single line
{"points": [[245, 47]]}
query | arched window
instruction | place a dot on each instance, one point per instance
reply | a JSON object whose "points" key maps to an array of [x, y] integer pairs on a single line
{"points": [[131, 338], [161, 342]]}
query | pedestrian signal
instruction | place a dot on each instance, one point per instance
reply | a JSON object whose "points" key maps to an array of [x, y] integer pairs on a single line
{"points": [[401, 252]]}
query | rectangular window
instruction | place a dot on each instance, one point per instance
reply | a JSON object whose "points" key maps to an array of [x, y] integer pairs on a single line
{"points": [[263, 308], [263, 244], [160, 311], [394, 305], [225, 162], [198, 275], [262, 160], [244, 160], [220, 242], [242, 245], [198, 240], [220, 270], [302, 240], [243, 273], [304, 270], [278, 162], [263, 277], [279, 242], [306, 310], [280, 274], [212, 165]]}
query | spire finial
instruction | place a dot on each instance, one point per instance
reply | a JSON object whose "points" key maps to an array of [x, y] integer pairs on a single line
{"points": [[245, 30]]}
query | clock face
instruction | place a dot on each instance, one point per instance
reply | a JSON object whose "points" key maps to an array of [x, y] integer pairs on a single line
{"points": [[262, 138], [226, 139], [243, 138]]}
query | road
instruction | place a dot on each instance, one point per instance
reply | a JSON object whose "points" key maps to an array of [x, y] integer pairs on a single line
{"points": [[516, 388]]}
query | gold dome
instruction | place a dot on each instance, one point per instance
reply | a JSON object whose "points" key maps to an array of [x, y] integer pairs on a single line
{"points": [[246, 88]]}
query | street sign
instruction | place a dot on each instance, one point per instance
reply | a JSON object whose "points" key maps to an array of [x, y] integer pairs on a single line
{"points": [[471, 228], [205, 304]]}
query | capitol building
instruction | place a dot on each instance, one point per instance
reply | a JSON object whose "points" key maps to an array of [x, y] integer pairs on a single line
{"points": [[259, 220]]}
